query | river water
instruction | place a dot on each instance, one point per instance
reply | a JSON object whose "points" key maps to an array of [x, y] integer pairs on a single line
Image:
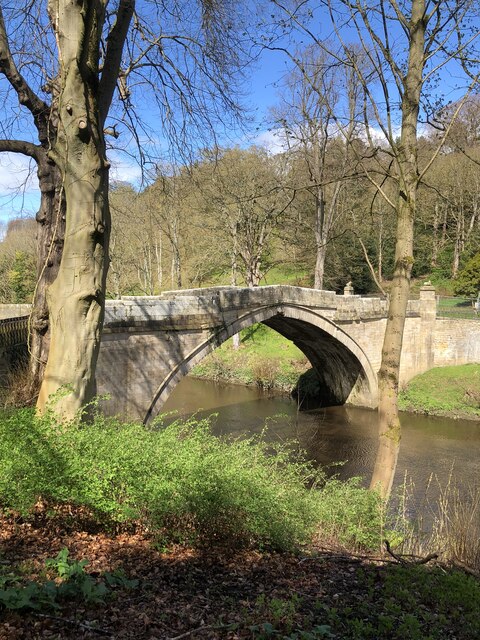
{"points": [[344, 436]]}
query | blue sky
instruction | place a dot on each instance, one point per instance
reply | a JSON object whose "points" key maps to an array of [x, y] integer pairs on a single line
{"points": [[18, 186]]}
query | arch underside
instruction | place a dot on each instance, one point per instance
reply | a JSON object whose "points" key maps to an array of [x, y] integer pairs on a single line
{"points": [[338, 370], [343, 369]]}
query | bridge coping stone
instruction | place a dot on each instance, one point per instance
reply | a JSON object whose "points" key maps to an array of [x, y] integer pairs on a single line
{"points": [[214, 302]]}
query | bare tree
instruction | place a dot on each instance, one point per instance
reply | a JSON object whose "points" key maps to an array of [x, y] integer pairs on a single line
{"points": [[65, 82], [316, 93], [406, 46], [244, 193]]}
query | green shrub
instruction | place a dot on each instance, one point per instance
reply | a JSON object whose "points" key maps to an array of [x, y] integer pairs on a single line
{"points": [[72, 582], [179, 480], [468, 279], [351, 515]]}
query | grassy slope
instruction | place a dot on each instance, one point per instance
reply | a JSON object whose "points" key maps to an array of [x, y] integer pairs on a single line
{"points": [[446, 391], [265, 358]]}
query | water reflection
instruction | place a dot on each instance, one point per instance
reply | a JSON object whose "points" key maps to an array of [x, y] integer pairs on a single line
{"points": [[337, 434]]}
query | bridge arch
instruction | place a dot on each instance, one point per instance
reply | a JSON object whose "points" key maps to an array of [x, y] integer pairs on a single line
{"points": [[342, 365]]}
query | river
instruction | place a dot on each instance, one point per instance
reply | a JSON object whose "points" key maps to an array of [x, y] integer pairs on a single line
{"points": [[344, 436]]}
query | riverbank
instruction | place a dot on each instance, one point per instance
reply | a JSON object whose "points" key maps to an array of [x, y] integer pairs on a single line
{"points": [[268, 361], [450, 392], [264, 359], [126, 532]]}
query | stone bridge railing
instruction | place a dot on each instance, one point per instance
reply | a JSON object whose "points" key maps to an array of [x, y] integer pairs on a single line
{"points": [[207, 307]]}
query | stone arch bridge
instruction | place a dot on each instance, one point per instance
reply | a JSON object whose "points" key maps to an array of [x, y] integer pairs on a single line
{"points": [[150, 343]]}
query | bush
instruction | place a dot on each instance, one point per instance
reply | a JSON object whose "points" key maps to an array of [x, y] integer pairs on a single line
{"points": [[351, 515], [179, 480], [265, 372], [468, 279]]}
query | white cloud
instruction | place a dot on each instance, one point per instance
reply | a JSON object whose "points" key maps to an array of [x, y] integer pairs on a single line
{"points": [[124, 171], [274, 140], [19, 192], [17, 173]]}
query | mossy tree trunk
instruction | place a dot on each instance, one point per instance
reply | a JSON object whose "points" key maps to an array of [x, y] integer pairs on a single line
{"points": [[50, 233]]}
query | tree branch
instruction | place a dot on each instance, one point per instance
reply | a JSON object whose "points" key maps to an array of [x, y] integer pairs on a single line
{"points": [[113, 57], [39, 109], [21, 146]]}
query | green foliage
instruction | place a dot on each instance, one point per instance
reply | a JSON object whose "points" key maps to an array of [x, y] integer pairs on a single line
{"points": [[286, 274], [351, 515], [468, 279], [385, 602], [443, 284], [444, 391], [73, 583], [398, 602], [265, 359], [180, 480], [346, 262], [22, 277]]}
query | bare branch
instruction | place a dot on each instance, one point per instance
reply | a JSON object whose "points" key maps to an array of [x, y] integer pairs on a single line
{"points": [[26, 96], [21, 146]]}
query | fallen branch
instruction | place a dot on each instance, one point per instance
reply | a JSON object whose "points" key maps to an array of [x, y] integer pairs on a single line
{"points": [[189, 633], [466, 568], [402, 559], [202, 628], [394, 555], [431, 556]]}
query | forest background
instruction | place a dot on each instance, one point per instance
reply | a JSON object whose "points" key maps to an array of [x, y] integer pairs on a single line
{"points": [[248, 216]]}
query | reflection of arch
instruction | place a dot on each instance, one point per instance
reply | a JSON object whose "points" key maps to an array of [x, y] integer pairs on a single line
{"points": [[341, 363]]}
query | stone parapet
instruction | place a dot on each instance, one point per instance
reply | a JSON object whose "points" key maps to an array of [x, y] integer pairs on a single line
{"points": [[208, 307], [14, 310]]}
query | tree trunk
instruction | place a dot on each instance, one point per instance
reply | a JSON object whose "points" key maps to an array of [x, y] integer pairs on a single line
{"points": [[436, 218], [320, 240], [158, 258], [176, 259], [380, 249], [388, 376], [77, 297], [459, 241], [253, 274], [50, 235], [234, 272]]}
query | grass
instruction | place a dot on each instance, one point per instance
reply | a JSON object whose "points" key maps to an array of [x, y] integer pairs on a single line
{"points": [[448, 524], [265, 359], [444, 391], [414, 603], [285, 275], [392, 603], [460, 308]]}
